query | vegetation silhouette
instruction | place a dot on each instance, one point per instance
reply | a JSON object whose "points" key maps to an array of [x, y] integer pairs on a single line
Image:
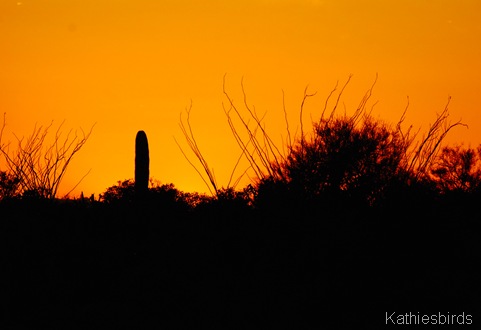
{"points": [[141, 163], [37, 166], [359, 217]]}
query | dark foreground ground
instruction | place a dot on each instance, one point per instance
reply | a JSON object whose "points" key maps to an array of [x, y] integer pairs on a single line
{"points": [[93, 266]]}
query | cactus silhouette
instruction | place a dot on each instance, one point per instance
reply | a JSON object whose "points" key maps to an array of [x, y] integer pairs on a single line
{"points": [[141, 163]]}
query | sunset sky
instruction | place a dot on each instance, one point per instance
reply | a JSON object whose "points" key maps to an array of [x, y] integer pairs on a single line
{"points": [[129, 65]]}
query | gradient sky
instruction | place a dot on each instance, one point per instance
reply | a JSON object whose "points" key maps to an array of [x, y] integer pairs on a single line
{"points": [[137, 65]]}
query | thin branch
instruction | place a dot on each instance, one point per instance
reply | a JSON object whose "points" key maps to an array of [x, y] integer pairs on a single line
{"points": [[192, 142], [339, 98], [289, 140], [195, 167], [40, 167], [305, 97]]}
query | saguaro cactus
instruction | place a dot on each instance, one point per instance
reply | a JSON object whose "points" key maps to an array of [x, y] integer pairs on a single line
{"points": [[141, 163]]}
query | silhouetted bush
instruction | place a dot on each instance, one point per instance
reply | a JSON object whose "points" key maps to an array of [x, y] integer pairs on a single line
{"points": [[345, 160], [228, 200], [124, 191], [457, 169], [350, 163], [38, 165], [9, 185]]}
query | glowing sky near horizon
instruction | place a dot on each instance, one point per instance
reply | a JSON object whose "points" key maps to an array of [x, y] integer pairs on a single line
{"points": [[137, 65]]}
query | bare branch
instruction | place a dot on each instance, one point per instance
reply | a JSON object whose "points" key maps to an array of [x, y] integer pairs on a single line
{"points": [[192, 142], [40, 167], [195, 168], [305, 97], [339, 98], [289, 140]]}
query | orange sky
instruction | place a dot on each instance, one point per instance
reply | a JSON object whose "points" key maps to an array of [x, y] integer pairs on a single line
{"points": [[132, 65]]}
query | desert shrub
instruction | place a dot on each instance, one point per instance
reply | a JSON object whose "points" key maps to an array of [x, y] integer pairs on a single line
{"points": [[160, 194], [39, 165], [9, 185], [231, 199], [164, 194], [345, 158], [457, 169], [122, 191]]}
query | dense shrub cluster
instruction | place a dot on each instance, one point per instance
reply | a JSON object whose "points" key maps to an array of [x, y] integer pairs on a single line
{"points": [[343, 161]]}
